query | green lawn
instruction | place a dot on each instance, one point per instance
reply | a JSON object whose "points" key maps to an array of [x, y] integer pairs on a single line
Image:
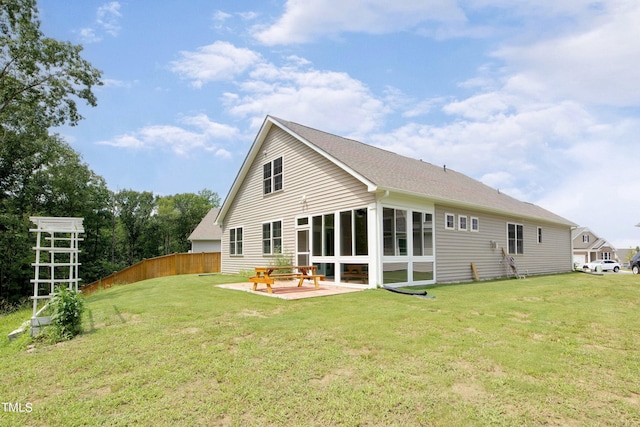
{"points": [[555, 350]]}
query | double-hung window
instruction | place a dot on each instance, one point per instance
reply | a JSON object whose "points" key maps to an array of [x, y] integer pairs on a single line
{"points": [[272, 176], [462, 223], [449, 221], [272, 238], [515, 238], [235, 241]]}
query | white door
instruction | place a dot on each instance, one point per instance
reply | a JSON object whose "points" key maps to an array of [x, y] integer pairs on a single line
{"points": [[302, 247]]}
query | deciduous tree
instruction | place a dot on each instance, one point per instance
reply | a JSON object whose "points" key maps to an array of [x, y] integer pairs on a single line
{"points": [[41, 78]]}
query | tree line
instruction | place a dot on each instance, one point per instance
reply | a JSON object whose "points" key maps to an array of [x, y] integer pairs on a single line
{"points": [[121, 228], [41, 82]]}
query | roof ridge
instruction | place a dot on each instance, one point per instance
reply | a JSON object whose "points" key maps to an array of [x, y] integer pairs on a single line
{"points": [[289, 122], [388, 170]]}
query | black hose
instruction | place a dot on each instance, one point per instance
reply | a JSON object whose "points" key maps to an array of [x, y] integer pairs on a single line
{"points": [[404, 291]]}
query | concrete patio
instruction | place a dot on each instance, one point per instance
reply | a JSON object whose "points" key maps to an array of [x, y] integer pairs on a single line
{"points": [[289, 290]]}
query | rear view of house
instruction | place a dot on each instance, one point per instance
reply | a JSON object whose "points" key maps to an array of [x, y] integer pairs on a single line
{"points": [[370, 217]]}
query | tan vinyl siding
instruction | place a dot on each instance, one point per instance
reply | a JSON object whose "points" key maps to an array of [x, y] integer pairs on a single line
{"points": [[326, 188], [456, 250], [580, 243]]}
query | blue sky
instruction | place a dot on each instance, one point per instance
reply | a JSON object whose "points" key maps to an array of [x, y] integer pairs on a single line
{"points": [[539, 99]]}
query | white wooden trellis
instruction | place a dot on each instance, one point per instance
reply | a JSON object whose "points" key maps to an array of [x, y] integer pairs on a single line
{"points": [[56, 262]]}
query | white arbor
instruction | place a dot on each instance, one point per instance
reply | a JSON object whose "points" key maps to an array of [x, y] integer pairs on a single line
{"points": [[56, 261]]}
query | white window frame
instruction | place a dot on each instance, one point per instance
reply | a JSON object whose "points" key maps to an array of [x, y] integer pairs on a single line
{"points": [[399, 235], [521, 227], [446, 221], [271, 179], [272, 239], [463, 223], [474, 220], [235, 243]]}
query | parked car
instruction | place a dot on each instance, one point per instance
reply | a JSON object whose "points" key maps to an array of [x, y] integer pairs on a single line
{"points": [[635, 264], [607, 265]]}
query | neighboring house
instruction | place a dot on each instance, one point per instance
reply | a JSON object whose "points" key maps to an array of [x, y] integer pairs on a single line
{"points": [[587, 247], [368, 216], [625, 255], [207, 235]]}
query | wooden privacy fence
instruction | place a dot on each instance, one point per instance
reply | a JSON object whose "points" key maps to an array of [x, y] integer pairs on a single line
{"points": [[167, 265]]}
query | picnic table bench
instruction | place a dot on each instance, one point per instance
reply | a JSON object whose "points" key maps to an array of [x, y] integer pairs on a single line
{"points": [[267, 276], [356, 272]]}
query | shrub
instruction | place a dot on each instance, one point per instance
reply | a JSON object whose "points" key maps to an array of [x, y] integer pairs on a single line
{"points": [[282, 259], [66, 307]]}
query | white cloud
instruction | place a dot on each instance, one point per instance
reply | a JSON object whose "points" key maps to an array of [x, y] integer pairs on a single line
{"points": [[596, 65], [204, 135], [248, 16], [220, 16], [107, 21], [119, 83], [88, 35], [304, 21], [108, 17], [214, 62], [332, 101]]}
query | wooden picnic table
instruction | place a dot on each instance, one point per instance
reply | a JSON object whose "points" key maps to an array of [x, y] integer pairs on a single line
{"points": [[267, 276]]}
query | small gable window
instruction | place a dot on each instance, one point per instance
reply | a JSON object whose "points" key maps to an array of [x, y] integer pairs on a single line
{"points": [[272, 176], [449, 222], [462, 223]]}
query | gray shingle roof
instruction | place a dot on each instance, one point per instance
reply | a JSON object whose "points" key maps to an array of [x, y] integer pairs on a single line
{"points": [[207, 230], [393, 172]]}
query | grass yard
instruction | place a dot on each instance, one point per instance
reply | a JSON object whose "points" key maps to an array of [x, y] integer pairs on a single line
{"points": [[555, 350]]}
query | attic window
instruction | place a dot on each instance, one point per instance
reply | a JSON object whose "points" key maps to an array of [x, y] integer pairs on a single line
{"points": [[272, 176], [585, 238]]}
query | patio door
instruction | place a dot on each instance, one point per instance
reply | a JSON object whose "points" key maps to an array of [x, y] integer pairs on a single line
{"points": [[302, 247]]}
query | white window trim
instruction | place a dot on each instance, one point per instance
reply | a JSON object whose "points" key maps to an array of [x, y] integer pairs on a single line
{"points": [[477, 220], [272, 177], [466, 223], [516, 237], [235, 242], [272, 246], [446, 222]]}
